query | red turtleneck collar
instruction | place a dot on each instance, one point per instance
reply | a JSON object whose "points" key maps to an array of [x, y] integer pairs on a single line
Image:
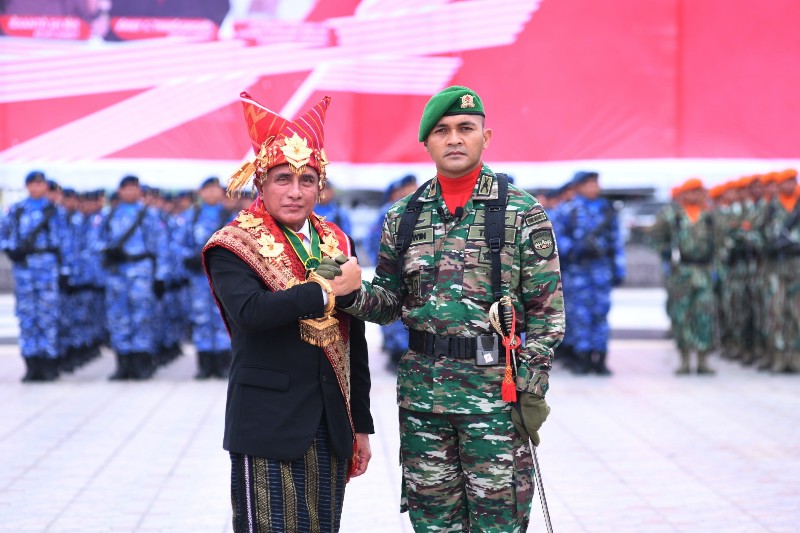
{"points": [[456, 191]]}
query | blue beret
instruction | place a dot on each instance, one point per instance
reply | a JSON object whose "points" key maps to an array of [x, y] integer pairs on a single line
{"points": [[128, 180], [36, 175], [213, 180], [583, 175]]}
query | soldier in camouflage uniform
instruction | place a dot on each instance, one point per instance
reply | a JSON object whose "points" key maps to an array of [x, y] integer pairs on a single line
{"points": [[591, 243], [466, 465], [688, 231], [782, 241], [33, 234]]}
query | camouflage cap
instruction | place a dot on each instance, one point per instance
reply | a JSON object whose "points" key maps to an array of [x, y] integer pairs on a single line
{"points": [[455, 100]]}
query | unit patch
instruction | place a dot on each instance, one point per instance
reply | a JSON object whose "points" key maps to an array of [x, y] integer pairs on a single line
{"points": [[543, 243], [535, 218]]}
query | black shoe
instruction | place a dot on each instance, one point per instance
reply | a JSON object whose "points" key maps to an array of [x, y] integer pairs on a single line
{"points": [[143, 366], [49, 369], [123, 371], [31, 369], [581, 363], [204, 369], [599, 364]]}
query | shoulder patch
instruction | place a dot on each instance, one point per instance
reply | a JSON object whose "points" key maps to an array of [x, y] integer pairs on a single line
{"points": [[543, 243], [535, 218]]}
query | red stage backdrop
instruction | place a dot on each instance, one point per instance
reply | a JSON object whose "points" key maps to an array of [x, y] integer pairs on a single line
{"points": [[562, 80]]}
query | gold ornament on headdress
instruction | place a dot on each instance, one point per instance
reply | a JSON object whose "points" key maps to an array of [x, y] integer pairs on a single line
{"points": [[239, 179], [297, 153]]}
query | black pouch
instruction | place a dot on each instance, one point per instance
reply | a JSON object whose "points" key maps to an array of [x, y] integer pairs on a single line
{"points": [[487, 350]]}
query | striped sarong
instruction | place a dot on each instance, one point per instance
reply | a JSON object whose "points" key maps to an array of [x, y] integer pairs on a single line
{"points": [[304, 495]]}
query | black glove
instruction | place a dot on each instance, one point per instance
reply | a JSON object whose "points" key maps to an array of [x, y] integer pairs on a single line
{"points": [[17, 255], [159, 288], [329, 269], [63, 283], [113, 256], [528, 414]]}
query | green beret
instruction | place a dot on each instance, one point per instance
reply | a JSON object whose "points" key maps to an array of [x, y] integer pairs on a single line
{"points": [[450, 101]]}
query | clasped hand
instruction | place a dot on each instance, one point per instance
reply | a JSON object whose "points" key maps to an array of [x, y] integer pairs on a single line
{"points": [[343, 273]]}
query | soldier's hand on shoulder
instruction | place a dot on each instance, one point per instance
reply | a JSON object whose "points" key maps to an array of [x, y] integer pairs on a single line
{"points": [[528, 414]]}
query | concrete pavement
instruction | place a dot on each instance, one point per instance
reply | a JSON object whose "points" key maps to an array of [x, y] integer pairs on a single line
{"points": [[642, 451]]}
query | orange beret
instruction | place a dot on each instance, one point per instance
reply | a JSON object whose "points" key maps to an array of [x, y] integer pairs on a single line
{"points": [[769, 177], [716, 191], [692, 184], [787, 174]]}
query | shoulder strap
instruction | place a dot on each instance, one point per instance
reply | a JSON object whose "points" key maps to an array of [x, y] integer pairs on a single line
{"points": [[406, 227], [139, 218], [49, 211], [495, 231]]}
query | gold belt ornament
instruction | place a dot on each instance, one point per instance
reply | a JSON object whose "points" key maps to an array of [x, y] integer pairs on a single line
{"points": [[321, 331]]}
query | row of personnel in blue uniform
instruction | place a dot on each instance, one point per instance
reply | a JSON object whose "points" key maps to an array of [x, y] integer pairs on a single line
{"points": [[126, 275]]}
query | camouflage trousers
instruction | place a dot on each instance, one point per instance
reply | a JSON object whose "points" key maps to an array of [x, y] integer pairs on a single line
{"points": [[470, 473], [744, 307], [693, 309]]}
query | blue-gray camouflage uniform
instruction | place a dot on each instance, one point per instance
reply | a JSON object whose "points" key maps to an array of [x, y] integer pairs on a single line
{"points": [[36, 270]]}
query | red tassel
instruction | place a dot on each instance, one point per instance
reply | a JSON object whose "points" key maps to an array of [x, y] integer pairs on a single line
{"points": [[509, 388]]}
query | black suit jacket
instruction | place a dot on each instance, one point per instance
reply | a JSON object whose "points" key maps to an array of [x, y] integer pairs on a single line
{"points": [[280, 387]]}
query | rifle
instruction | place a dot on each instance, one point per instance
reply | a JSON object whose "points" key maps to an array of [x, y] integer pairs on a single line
{"points": [[25, 248]]}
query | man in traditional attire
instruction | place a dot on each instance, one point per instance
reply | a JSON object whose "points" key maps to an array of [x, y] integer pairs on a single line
{"points": [[297, 421]]}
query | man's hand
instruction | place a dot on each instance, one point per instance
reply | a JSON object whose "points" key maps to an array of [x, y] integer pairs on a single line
{"points": [[350, 279], [364, 453], [528, 415]]}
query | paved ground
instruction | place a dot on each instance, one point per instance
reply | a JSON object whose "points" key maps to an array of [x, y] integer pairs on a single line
{"points": [[641, 451]]}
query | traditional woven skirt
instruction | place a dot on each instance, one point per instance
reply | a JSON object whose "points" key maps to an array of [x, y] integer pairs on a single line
{"points": [[304, 495]]}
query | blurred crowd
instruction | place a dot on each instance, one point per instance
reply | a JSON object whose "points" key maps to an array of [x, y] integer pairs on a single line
{"points": [[731, 257], [123, 271]]}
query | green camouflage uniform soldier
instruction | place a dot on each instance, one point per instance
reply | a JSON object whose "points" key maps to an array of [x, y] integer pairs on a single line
{"points": [[750, 274], [690, 233], [726, 215], [466, 467], [783, 255], [741, 263]]}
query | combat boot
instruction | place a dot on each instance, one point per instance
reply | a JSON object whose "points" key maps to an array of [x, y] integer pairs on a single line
{"points": [[599, 363], [685, 368], [702, 364], [31, 369], [142, 366], [123, 368], [782, 362], [581, 363], [49, 368], [204, 369]]}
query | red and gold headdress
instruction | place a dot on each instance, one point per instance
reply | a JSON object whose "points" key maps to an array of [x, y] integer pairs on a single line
{"points": [[277, 140]]}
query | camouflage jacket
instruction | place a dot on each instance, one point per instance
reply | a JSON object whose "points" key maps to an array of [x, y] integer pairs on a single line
{"points": [[696, 243], [444, 287]]}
